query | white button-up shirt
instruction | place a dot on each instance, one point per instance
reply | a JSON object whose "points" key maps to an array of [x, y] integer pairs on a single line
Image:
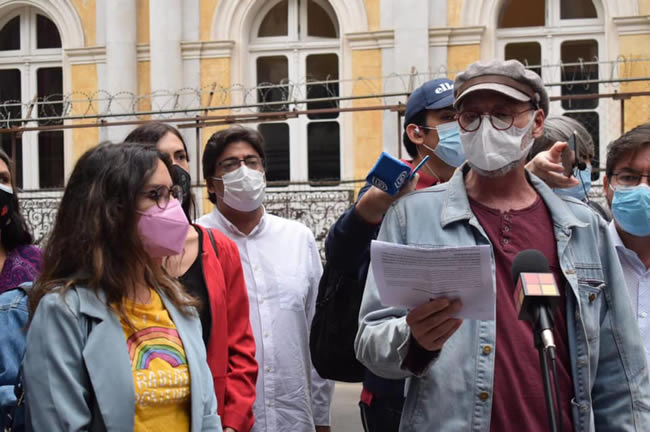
{"points": [[637, 279], [282, 269]]}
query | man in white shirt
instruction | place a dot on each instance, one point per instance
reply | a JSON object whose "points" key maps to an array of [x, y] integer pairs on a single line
{"points": [[282, 269], [627, 187]]}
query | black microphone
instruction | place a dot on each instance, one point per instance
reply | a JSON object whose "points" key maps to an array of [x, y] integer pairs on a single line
{"points": [[536, 293]]}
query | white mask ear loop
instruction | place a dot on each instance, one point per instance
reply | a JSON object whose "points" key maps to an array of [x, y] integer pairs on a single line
{"points": [[426, 165]]}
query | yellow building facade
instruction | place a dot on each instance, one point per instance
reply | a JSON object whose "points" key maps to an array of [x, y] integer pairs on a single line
{"points": [[124, 60]]}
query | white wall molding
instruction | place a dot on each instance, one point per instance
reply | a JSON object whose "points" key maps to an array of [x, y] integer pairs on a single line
{"points": [[450, 36], [371, 40], [635, 25], [208, 49], [189, 51], [90, 55]]}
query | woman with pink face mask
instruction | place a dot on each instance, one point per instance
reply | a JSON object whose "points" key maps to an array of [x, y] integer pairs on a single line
{"points": [[210, 269], [115, 342]]}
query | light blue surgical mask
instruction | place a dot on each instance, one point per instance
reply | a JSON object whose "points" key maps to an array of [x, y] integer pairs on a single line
{"points": [[580, 190], [631, 209], [449, 149]]}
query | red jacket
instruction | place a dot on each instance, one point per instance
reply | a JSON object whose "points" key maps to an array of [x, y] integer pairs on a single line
{"points": [[231, 348]]}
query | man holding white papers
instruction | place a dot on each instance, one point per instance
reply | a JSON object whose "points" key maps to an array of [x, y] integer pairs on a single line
{"points": [[484, 375]]}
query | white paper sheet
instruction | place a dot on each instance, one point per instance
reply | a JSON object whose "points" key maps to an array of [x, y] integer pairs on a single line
{"points": [[408, 276]]}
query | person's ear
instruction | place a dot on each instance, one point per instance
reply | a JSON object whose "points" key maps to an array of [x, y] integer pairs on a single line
{"points": [[210, 184], [538, 125], [414, 132]]}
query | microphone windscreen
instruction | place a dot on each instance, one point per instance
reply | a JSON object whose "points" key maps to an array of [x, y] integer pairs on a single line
{"points": [[529, 261]]}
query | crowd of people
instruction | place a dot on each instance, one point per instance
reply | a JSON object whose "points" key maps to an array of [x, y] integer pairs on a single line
{"points": [[139, 315]]}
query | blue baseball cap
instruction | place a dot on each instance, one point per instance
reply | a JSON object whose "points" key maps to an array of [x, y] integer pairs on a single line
{"points": [[434, 94]]}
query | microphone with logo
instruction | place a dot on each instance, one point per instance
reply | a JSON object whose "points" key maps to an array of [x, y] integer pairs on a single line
{"points": [[536, 295]]}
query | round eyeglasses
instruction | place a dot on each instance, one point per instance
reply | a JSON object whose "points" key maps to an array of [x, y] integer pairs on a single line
{"points": [[161, 194], [470, 121]]}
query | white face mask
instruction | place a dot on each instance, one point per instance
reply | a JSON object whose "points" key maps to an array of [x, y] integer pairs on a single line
{"points": [[243, 189], [490, 150]]}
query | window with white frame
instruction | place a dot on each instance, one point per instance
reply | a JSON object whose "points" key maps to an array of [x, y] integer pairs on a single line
{"points": [[31, 87], [294, 49], [562, 40]]}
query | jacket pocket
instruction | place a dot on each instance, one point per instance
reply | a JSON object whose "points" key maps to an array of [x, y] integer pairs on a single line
{"points": [[592, 302]]}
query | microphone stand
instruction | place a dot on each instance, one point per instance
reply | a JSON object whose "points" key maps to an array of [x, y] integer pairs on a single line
{"points": [[542, 324]]}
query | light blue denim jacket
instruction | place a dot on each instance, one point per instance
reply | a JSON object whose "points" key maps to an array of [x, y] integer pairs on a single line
{"points": [[13, 322], [78, 373], [610, 377]]}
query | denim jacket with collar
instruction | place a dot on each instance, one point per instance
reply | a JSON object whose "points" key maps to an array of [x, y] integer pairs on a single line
{"points": [[77, 367], [610, 376], [13, 322]]}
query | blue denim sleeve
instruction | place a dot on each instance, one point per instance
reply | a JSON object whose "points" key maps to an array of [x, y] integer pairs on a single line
{"points": [[13, 321], [347, 247]]}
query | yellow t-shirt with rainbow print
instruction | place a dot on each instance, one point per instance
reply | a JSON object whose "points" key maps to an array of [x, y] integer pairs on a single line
{"points": [[160, 371]]}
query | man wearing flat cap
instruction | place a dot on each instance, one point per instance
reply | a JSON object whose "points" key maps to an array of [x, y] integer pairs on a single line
{"points": [[471, 375]]}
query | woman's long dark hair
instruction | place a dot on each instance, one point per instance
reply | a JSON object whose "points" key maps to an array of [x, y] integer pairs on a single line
{"points": [[16, 233], [151, 133], [95, 239]]}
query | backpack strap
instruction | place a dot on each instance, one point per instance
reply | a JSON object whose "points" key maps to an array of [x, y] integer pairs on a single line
{"points": [[214, 244]]}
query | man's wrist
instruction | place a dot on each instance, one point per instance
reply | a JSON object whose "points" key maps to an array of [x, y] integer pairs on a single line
{"points": [[372, 206]]}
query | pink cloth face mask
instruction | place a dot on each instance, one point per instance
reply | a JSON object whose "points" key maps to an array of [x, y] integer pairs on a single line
{"points": [[163, 231]]}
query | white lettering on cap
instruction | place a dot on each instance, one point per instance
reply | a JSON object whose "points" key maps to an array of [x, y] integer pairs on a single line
{"points": [[444, 87]]}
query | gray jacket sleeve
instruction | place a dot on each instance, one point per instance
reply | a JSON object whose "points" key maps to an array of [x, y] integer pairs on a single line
{"points": [[57, 387], [382, 341]]}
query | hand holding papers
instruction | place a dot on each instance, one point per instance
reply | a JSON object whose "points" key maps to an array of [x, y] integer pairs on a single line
{"points": [[409, 276]]}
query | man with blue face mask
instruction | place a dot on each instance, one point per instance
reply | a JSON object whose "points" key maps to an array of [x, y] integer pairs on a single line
{"points": [[485, 375], [429, 129], [627, 187], [560, 129]]}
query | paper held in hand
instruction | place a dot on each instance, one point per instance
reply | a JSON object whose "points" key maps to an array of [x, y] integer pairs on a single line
{"points": [[408, 276]]}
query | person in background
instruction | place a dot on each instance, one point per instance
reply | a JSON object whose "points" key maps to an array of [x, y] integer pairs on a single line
{"points": [[627, 187], [560, 128], [114, 343], [430, 128], [282, 268], [20, 264], [485, 375], [210, 269]]}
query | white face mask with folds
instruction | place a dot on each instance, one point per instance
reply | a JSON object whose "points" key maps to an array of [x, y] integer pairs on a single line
{"points": [[490, 150], [243, 189]]}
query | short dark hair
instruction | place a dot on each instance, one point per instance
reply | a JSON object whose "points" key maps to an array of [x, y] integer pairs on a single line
{"points": [[16, 233], [419, 119], [153, 132], [630, 142], [218, 143]]}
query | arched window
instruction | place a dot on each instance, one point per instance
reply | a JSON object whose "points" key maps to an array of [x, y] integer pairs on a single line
{"points": [[562, 40], [31, 86], [294, 53]]}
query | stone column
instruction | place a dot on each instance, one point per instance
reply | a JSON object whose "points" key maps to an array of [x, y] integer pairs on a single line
{"points": [[165, 35], [121, 62]]}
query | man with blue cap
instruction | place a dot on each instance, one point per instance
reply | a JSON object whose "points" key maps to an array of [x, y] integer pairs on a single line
{"points": [[430, 128]]}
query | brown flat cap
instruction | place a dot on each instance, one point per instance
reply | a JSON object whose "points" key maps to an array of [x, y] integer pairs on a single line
{"points": [[508, 77]]}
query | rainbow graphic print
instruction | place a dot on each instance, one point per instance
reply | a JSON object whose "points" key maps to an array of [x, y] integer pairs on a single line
{"points": [[156, 343]]}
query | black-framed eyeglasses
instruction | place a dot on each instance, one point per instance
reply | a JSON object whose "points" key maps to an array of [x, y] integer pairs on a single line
{"points": [[628, 178], [231, 164], [161, 194], [470, 121]]}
